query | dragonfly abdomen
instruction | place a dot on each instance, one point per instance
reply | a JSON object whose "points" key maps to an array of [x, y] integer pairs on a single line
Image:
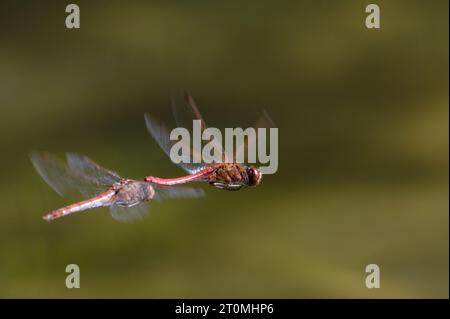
{"points": [[103, 199]]}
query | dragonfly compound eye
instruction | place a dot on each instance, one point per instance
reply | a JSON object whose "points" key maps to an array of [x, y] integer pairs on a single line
{"points": [[254, 176]]}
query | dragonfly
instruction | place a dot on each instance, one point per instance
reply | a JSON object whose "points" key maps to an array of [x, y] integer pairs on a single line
{"points": [[127, 199], [227, 175]]}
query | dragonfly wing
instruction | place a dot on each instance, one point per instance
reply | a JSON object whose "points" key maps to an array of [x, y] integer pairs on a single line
{"points": [[62, 179], [161, 135], [53, 171], [138, 210], [187, 111], [84, 167], [264, 121], [163, 192], [129, 214]]}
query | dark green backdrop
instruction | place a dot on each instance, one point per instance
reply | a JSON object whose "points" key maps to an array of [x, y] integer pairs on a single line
{"points": [[363, 136]]}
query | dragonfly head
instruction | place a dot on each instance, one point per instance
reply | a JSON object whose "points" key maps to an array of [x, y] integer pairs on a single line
{"points": [[254, 176]]}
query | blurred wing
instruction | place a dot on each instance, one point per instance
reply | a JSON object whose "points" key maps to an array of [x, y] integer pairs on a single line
{"points": [[161, 135], [187, 111], [63, 179], [84, 167], [163, 192], [131, 214], [53, 171], [191, 107], [264, 121]]}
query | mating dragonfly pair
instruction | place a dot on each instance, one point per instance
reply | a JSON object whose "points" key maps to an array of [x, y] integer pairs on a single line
{"points": [[129, 199]]}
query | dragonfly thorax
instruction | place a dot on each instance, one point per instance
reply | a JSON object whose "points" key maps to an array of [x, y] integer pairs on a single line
{"points": [[233, 176], [132, 192]]}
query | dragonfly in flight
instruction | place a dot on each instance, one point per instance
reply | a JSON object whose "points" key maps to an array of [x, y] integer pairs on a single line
{"points": [[128, 199], [227, 175]]}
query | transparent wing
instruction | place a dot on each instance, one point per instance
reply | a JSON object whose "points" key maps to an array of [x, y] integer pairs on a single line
{"points": [[163, 192], [64, 179], [187, 111], [264, 121], [53, 171], [84, 167], [139, 210], [161, 134], [130, 214]]}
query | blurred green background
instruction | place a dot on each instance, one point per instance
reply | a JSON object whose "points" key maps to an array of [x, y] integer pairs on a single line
{"points": [[363, 147]]}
